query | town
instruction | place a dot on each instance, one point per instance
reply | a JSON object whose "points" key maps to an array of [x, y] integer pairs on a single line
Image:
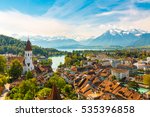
{"points": [[84, 75]]}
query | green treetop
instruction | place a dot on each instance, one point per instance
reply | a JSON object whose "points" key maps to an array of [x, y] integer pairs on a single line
{"points": [[2, 64], [16, 69]]}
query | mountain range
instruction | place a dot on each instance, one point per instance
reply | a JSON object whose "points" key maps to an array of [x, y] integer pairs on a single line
{"points": [[112, 37]]}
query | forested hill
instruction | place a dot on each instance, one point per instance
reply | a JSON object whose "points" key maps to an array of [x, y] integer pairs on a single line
{"points": [[14, 46]]}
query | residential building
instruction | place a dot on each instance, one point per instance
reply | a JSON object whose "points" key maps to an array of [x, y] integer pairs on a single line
{"points": [[106, 63], [142, 65], [148, 59], [132, 68], [115, 63], [120, 73]]}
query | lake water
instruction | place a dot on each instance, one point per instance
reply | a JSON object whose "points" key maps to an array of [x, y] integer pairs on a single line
{"points": [[143, 90], [71, 50], [56, 61]]}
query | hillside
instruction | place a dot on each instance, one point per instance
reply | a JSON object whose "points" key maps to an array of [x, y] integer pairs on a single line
{"points": [[14, 46], [143, 41]]}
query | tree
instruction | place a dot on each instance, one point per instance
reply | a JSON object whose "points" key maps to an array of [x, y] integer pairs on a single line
{"points": [[146, 79], [69, 92], [2, 64], [29, 75], [133, 85], [43, 93], [61, 83], [67, 61], [47, 62], [57, 80], [3, 80], [16, 69], [67, 88], [26, 90], [61, 65], [74, 59], [29, 95]]}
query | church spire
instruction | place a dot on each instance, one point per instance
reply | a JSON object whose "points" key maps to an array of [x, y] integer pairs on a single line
{"points": [[28, 46], [55, 95], [28, 64]]}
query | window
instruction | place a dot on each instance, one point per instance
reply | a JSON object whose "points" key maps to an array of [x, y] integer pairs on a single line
{"points": [[28, 64]]}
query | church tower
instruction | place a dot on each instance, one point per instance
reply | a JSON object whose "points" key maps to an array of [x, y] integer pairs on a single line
{"points": [[28, 64]]}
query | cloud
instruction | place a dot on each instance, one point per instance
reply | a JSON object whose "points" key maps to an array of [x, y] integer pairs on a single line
{"points": [[78, 22], [15, 22], [141, 1]]}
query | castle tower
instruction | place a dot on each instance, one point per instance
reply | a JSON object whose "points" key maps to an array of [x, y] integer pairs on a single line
{"points": [[28, 64]]}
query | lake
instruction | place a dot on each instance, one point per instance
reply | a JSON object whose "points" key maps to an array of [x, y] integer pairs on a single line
{"points": [[71, 50], [56, 61]]}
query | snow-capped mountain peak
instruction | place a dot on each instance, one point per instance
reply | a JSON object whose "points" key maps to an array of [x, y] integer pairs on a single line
{"points": [[115, 31], [136, 32]]}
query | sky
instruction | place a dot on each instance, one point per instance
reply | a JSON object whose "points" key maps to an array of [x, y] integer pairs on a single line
{"points": [[78, 19]]}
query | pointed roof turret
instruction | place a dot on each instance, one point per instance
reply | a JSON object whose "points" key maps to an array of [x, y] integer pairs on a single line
{"points": [[28, 46], [55, 95]]}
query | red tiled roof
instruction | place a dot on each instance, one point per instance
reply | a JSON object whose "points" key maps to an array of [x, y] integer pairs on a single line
{"points": [[120, 70], [19, 58], [125, 66], [105, 97], [73, 68], [85, 88], [135, 96], [95, 95], [88, 93]]}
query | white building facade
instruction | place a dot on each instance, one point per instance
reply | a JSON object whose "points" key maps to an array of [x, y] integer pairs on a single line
{"points": [[120, 73]]}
